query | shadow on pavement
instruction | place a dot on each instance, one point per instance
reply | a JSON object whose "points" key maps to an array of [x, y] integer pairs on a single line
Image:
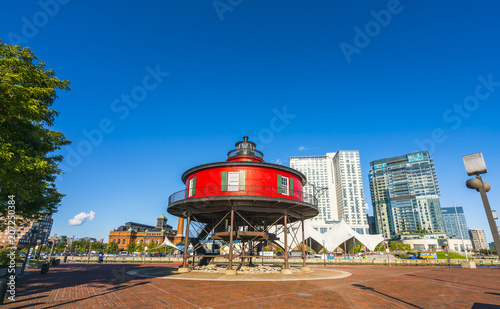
{"points": [[106, 278], [454, 282], [373, 290]]}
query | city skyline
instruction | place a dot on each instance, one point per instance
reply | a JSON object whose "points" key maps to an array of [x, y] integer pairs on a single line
{"points": [[159, 88], [336, 179]]}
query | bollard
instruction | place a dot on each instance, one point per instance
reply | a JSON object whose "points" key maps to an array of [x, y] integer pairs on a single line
{"points": [[45, 268], [3, 290]]}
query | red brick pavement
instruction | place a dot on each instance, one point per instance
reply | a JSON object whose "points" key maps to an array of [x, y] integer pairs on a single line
{"points": [[108, 285]]}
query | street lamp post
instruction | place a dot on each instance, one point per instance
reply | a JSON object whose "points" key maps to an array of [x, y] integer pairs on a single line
{"points": [[324, 255], [387, 251], [90, 249], [38, 248], [447, 252], [55, 240], [474, 165], [461, 235]]}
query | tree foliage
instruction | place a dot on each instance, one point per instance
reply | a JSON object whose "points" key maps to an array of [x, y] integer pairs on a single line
{"points": [[396, 246], [112, 247], [28, 164], [131, 247]]}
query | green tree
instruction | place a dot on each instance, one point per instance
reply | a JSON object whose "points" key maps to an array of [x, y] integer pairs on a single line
{"points": [[5, 258], [97, 246], [140, 247], [380, 247], [60, 246], [112, 247], [131, 247], [356, 249], [396, 246], [28, 165]]}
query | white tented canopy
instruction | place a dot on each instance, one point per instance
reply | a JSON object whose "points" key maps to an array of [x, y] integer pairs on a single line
{"points": [[340, 235], [166, 243]]}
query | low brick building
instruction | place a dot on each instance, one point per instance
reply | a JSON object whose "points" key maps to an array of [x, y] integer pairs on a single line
{"points": [[137, 233]]}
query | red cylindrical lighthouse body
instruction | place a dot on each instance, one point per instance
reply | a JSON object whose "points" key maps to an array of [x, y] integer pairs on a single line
{"points": [[244, 179]]}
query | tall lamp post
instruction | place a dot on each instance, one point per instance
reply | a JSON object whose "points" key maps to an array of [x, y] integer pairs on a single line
{"points": [[445, 243], [324, 254], [90, 249], [474, 165], [386, 243], [54, 241]]}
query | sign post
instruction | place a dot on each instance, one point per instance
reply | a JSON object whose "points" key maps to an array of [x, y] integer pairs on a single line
{"points": [[386, 243]]}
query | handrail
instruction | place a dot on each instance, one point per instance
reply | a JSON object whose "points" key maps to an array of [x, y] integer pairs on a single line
{"points": [[242, 190], [245, 152]]}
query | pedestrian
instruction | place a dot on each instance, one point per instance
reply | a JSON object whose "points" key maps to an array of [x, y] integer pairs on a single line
{"points": [[101, 258]]}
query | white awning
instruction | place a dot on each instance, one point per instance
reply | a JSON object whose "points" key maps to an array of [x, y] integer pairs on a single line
{"points": [[166, 243], [341, 233], [338, 235]]}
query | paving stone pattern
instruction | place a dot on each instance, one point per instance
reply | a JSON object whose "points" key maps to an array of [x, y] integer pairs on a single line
{"points": [[109, 286]]}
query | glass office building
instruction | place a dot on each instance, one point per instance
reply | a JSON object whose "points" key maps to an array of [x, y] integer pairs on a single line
{"points": [[405, 195], [454, 222]]}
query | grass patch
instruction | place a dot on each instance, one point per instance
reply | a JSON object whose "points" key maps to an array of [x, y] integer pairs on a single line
{"points": [[442, 255]]}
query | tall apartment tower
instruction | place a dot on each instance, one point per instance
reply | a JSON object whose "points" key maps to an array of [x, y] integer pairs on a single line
{"points": [[25, 234], [405, 194], [337, 177], [454, 222], [478, 238]]}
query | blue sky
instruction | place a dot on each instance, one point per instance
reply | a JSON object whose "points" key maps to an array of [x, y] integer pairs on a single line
{"points": [[163, 86]]}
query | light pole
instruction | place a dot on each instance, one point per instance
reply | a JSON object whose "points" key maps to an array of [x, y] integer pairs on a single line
{"points": [[474, 165], [386, 243], [55, 240], [324, 255], [88, 255], [461, 235], [447, 252]]}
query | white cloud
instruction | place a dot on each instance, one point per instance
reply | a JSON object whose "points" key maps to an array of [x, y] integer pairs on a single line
{"points": [[302, 148], [82, 217], [278, 161]]}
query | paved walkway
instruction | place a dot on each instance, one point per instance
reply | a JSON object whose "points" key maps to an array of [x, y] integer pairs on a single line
{"points": [[109, 285]]}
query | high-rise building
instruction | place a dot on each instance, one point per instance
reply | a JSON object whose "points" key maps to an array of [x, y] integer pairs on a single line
{"points": [[24, 234], [336, 179], [405, 194], [454, 222], [478, 238], [371, 224]]}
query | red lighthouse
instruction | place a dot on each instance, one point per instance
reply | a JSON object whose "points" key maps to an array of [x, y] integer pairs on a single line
{"points": [[240, 199]]}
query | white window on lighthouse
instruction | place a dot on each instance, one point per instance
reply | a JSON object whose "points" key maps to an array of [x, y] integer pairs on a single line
{"points": [[284, 185], [233, 181], [192, 187]]}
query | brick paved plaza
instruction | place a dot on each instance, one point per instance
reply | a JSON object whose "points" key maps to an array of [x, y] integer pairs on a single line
{"points": [[108, 285]]}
